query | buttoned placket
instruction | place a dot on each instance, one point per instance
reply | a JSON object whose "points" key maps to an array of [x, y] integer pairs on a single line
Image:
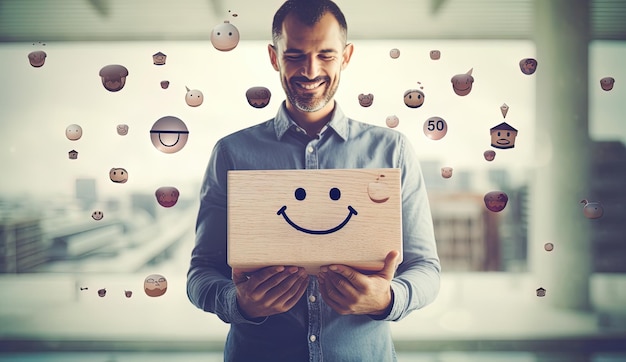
{"points": [[315, 320], [310, 154]]}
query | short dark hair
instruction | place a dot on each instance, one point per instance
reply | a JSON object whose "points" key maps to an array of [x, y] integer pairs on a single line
{"points": [[308, 12]]}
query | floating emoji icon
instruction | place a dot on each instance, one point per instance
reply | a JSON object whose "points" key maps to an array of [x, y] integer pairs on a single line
{"points": [[496, 200], [435, 54], [225, 36], [73, 132], [193, 97], [128, 293], [504, 109], [159, 58], [392, 121], [489, 155], [366, 100], [37, 58], [414, 98], [592, 210], [446, 172], [169, 134], [167, 196], [113, 77], [102, 292], [155, 285], [258, 97], [97, 215], [118, 175], [528, 66], [394, 53], [541, 292], [503, 136], [165, 84], [607, 83], [462, 83], [73, 155], [548, 246], [122, 129], [435, 128]]}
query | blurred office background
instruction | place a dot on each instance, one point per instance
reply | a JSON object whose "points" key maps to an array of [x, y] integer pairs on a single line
{"points": [[54, 256]]}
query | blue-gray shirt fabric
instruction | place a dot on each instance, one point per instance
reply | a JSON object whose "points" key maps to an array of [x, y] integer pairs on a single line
{"points": [[280, 144]]}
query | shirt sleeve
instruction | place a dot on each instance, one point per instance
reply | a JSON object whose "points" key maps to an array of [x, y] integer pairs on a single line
{"points": [[209, 282], [416, 283]]}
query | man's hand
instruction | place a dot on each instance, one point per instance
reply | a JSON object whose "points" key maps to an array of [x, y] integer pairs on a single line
{"points": [[270, 290], [349, 291]]}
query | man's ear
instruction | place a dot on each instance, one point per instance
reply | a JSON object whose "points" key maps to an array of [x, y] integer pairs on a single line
{"points": [[273, 56], [347, 54]]}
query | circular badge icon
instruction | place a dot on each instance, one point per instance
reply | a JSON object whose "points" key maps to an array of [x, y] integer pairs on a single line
{"points": [[435, 128], [169, 134]]}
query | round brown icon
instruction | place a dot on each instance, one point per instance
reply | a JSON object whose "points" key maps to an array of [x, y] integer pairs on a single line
{"points": [[155, 285], [548, 246]]}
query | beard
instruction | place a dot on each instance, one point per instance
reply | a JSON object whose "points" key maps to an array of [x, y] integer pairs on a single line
{"points": [[307, 101]]}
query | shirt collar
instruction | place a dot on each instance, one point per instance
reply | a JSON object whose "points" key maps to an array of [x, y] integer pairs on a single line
{"points": [[338, 122]]}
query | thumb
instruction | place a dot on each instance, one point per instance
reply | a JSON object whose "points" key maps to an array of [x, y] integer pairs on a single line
{"points": [[391, 263]]}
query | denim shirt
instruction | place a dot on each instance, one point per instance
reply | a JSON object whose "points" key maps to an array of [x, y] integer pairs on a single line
{"points": [[311, 330]]}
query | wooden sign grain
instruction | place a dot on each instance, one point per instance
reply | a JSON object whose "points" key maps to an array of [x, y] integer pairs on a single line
{"points": [[311, 218]]}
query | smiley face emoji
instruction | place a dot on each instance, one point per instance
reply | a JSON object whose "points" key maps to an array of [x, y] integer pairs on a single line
{"points": [[446, 172], [414, 98], [169, 134], [435, 54], [392, 121], [167, 196], [225, 37], [73, 132], [462, 83], [155, 285], [97, 215], [503, 136], [496, 200], [489, 155], [118, 175], [37, 58], [193, 97], [394, 53], [300, 194], [113, 77]]}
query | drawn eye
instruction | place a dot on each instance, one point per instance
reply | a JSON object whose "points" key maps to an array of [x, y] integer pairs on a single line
{"points": [[300, 194], [334, 193]]}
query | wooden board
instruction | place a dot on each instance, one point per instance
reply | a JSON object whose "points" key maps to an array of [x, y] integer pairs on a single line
{"points": [[311, 218]]}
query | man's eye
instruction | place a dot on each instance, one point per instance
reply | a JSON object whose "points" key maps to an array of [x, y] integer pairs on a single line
{"points": [[327, 57], [293, 57]]}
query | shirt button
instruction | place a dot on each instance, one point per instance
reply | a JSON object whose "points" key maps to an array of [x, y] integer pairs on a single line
{"points": [[310, 149], [312, 299], [312, 338]]}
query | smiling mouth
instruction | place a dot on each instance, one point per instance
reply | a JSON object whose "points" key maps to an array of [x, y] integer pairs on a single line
{"points": [[282, 212], [503, 141]]}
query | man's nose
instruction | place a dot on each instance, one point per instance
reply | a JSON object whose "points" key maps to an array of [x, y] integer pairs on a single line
{"points": [[310, 67]]}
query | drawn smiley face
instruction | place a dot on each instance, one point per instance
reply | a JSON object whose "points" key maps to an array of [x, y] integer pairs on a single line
{"points": [[300, 194]]}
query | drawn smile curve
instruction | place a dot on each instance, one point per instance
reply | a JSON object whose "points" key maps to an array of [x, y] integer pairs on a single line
{"points": [[282, 212]]}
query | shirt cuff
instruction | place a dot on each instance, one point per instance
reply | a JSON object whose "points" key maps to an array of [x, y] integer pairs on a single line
{"points": [[237, 315], [387, 312]]}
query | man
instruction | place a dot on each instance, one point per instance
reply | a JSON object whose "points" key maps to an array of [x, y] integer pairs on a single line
{"points": [[280, 313]]}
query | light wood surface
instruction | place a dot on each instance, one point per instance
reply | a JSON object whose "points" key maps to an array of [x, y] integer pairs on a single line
{"points": [[269, 225]]}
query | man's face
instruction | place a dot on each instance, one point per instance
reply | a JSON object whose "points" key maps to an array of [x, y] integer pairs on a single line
{"points": [[310, 60]]}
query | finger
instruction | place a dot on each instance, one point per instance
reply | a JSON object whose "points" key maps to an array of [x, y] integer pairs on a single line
{"points": [[331, 297], [286, 287], [391, 263], [355, 279], [290, 299]]}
